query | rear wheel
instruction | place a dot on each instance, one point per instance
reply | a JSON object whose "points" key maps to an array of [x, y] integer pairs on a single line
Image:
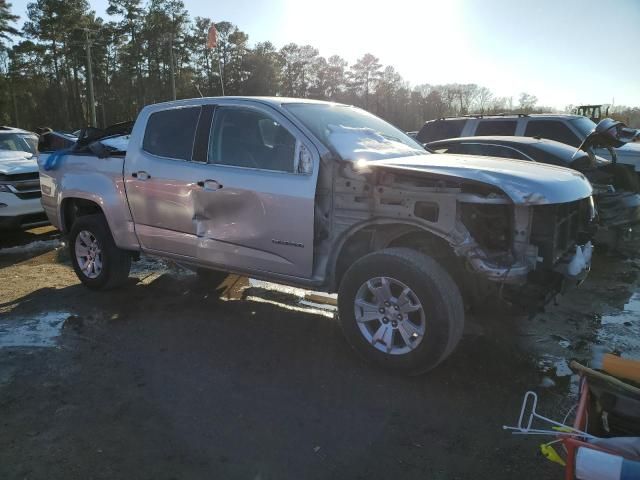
{"points": [[400, 309], [97, 261]]}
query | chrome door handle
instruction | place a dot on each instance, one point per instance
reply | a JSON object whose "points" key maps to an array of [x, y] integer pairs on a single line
{"points": [[141, 175], [208, 184]]}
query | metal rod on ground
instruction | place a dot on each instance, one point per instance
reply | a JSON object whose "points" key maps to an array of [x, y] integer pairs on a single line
{"points": [[604, 377], [92, 102]]}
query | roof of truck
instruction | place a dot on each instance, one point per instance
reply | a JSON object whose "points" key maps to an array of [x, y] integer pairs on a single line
{"points": [[267, 100]]}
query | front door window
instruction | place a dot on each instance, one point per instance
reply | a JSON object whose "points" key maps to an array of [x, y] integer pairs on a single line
{"points": [[250, 139]]}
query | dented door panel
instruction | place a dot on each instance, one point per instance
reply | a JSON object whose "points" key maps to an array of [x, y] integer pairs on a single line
{"points": [[259, 215], [258, 220], [162, 205]]}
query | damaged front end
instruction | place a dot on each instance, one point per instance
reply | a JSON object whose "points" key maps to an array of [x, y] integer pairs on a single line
{"points": [[493, 224], [522, 245], [513, 230]]}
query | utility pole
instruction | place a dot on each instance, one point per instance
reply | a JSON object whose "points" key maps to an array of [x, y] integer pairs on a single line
{"points": [[212, 42], [173, 72], [221, 77], [12, 92], [92, 102], [15, 103]]}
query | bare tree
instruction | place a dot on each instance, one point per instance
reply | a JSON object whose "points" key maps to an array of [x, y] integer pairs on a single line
{"points": [[527, 102], [483, 99]]}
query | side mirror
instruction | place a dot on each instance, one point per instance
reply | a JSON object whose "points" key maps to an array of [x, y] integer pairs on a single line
{"points": [[98, 149]]}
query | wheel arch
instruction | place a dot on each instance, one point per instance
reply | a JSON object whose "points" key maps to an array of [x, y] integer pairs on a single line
{"points": [[374, 235], [75, 203], [73, 207]]}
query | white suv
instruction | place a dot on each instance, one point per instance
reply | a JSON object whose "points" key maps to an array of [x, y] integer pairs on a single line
{"points": [[569, 129], [19, 180]]}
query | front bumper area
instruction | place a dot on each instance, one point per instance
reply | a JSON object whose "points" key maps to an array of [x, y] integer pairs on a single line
{"points": [[575, 266], [515, 274], [16, 213], [22, 222]]}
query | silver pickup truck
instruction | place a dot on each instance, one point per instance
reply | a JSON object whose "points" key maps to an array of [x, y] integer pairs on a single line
{"points": [[326, 197]]}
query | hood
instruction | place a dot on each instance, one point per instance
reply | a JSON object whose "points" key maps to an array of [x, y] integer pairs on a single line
{"points": [[630, 148], [13, 162], [523, 181]]}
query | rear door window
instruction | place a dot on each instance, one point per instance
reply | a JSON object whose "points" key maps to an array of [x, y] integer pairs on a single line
{"points": [[170, 133], [552, 130], [496, 127], [440, 129]]}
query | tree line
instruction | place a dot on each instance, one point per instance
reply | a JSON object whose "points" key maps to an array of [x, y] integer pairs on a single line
{"points": [[146, 52]]}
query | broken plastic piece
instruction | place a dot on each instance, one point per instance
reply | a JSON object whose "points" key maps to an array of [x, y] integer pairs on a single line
{"points": [[581, 260], [550, 454]]}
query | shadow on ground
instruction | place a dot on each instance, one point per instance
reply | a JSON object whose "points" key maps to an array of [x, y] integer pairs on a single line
{"points": [[167, 379]]}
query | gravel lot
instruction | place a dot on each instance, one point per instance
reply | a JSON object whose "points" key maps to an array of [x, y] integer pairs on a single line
{"points": [[167, 379]]}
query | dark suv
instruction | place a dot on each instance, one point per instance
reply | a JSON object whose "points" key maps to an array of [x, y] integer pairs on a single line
{"points": [[568, 129]]}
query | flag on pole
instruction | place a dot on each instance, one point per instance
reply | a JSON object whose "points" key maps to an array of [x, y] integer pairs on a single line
{"points": [[212, 37]]}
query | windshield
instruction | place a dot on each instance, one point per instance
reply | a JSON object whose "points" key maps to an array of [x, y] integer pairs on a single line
{"points": [[584, 125], [355, 134], [20, 142]]}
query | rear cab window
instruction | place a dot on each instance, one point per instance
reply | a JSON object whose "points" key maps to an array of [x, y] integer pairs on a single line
{"points": [[496, 127], [440, 129], [552, 130], [171, 133]]}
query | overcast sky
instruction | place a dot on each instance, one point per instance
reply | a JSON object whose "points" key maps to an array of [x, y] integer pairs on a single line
{"points": [[563, 51]]}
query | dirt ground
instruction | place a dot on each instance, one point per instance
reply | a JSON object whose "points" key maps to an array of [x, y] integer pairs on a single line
{"points": [[166, 379]]}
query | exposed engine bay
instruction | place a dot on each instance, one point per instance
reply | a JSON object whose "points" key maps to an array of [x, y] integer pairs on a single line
{"points": [[475, 228]]}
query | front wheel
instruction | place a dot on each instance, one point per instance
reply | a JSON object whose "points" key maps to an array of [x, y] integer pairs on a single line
{"points": [[97, 261], [400, 309]]}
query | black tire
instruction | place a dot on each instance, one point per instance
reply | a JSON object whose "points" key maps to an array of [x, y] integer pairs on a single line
{"points": [[208, 278], [434, 288], [116, 262]]}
